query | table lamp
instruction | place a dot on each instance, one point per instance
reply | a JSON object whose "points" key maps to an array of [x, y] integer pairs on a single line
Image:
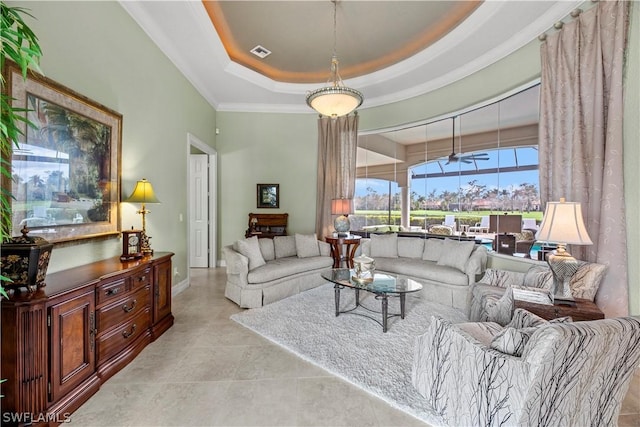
{"points": [[341, 207], [143, 193], [563, 224]]}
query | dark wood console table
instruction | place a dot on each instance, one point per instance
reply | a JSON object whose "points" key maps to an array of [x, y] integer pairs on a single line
{"points": [[60, 343], [267, 225]]}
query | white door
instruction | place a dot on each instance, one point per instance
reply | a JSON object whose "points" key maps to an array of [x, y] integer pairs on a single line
{"points": [[199, 210]]}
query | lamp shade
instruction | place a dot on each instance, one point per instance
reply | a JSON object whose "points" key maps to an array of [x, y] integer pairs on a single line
{"points": [[334, 101], [341, 206], [563, 223], [143, 193]]}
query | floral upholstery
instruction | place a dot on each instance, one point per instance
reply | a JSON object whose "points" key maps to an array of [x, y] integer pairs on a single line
{"points": [[443, 230], [569, 374]]}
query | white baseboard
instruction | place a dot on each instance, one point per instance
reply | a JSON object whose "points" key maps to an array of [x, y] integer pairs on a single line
{"points": [[175, 290]]}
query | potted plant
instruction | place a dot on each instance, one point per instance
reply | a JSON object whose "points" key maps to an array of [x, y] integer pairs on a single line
{"points": [[20, 45]]}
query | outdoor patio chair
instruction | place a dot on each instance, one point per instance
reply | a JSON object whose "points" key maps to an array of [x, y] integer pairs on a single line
{"points": [[481, 227], [450, 221]]}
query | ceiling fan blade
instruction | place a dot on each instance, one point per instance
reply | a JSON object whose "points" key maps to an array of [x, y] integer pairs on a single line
{"points": [[466, 160]]}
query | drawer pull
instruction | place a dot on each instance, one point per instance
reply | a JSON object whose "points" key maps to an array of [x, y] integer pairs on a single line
{"points": [[128, 309], [128, 334], [112, 291], [141, 278]]}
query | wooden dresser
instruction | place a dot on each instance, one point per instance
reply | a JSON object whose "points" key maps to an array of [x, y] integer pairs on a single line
{"points": [[62, 342], [267, 225]]}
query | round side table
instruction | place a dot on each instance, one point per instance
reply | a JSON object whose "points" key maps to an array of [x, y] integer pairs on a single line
{"points": [[350, 243]]}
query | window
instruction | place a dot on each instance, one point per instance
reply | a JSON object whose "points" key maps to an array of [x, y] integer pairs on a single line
{"points": [[478, 162]]}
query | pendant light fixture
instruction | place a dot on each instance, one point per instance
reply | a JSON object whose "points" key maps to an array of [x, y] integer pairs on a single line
{"points": [[336, 99]]}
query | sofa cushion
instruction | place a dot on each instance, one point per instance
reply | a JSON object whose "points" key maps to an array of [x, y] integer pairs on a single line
{"points": [[281, 268], [285, 246], [410, 247], [306, 245], [432, 249], [586, 281], [455, 253], [502, 278], [384, 245], [251, 249], [538, 276], [267, 249], [420, 269]]}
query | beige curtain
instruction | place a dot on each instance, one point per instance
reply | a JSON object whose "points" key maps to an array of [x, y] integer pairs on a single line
{"points": [[337, 143], [581, 137]]}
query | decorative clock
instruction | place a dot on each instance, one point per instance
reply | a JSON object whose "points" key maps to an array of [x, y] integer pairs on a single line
{"points": [[131, 245]]}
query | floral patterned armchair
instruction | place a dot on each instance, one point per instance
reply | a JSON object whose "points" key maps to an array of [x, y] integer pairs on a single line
{"points": [[567, 374]]}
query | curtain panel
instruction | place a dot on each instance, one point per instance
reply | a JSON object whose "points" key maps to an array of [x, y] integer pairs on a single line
{"points": [[337, 144], [581, 106]]}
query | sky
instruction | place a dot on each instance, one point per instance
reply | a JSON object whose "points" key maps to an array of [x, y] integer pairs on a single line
{"points": [[502, 158]]}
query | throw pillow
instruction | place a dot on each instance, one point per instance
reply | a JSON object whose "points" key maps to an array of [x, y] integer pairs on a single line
{"points": [[432, 249], [511, 340], [586, 281], [267, 249], [384, 245], [307, 245], [500, 311], [285, 246], [502, 278], [456, 253], [539, 276], [515, 336], [525, 319], [251, 249], [410, 247]]}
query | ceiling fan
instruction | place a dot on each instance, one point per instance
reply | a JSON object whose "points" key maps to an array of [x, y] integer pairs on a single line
{"points": [[467, 158]]}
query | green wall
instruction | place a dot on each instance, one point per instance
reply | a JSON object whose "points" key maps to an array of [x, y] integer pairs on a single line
{"points": [[258, 148], [96, 49]]}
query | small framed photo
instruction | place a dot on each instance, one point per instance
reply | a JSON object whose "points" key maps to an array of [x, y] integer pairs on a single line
{"points": [[268, 195]]}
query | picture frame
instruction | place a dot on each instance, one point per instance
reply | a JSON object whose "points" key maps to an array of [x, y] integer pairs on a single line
{"points": [[66, 171], [268, 196]]}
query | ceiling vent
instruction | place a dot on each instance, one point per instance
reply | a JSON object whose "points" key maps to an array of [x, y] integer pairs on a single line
{"points": [[260, 52]]}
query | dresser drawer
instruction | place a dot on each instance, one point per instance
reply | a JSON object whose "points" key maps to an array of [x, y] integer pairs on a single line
{"points": [[140, 279], [111, 290], [123, 309], [111, 342]]}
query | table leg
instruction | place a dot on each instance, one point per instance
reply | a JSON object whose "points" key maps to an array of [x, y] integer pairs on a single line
{"points": [[385, 308], [335, 251], [402, 306], [357, 296], [337, 297]]}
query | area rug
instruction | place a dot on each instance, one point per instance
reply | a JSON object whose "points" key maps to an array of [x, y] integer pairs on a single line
{"points": [[353, 347]]}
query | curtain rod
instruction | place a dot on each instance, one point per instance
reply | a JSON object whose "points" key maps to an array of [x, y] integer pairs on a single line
{"points": [[573, 14]]}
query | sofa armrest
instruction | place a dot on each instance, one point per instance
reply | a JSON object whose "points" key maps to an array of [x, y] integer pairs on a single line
{"points": [[476, 264], [466, 382], [237, 265]]}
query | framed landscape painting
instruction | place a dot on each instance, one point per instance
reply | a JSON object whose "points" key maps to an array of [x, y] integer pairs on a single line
{"points": [[66, 169], [268, 196]]}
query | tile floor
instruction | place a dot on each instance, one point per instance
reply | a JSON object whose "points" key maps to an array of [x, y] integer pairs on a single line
{"points": [[209, 371]]}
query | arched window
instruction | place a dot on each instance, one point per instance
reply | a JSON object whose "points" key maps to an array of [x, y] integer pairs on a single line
{"points": [[470, 164]]}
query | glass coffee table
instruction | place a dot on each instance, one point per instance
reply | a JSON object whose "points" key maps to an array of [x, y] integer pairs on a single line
{"points": [[384, 285]]}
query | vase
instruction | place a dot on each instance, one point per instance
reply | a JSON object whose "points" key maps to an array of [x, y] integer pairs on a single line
{"points": [[24, 261]]}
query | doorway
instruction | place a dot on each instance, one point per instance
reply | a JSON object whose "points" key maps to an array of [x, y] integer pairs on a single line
{"points": [[201, 216]]}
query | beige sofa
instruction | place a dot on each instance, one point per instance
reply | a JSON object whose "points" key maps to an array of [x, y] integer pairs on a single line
{"points": [[261, 271], [445, 267]]}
